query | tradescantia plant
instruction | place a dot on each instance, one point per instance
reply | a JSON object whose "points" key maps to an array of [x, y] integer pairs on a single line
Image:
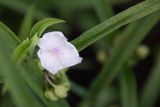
{"points": [[37, 78]]}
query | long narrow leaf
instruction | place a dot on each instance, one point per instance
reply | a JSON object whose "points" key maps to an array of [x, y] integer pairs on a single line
{"points": [[40, 26], [103, 9], [79, 90], [21, 7], [35, 78], [27, 23], [136, 12], [21, 93], [128, 88], [152, 87], [124, 50], [10, 35]]}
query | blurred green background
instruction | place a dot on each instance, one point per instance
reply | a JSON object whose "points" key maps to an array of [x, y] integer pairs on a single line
{"points": [[138, 80]]}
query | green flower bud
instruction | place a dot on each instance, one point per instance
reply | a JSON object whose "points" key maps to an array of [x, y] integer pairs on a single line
{"points": [[51, 95], [101, 56], [61, 91], [142, 51]]}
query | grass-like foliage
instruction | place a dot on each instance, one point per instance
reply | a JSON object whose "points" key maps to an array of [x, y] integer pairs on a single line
{"points": [[116, 40]]}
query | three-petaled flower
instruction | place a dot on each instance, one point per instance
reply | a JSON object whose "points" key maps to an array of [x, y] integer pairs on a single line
{"points": [[56, 53]]}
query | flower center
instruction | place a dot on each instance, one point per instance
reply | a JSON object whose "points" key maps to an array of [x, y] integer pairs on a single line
{"points": [[56, 51]]}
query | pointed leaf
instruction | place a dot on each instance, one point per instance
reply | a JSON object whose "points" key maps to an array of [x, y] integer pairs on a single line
{"points": [[133, 13], [21, 93], [27, 23], [40, 26], [10, 35]]}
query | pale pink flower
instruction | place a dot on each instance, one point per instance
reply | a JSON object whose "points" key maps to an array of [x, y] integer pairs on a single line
{"points": [[56, 53]]}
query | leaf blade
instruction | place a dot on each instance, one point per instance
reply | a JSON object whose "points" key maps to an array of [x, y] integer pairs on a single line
{"points": [[130, 43], [136, 12], [128, 88], [43, 24], [27, 23], [21, 93], [152, 87], [13, 38]]}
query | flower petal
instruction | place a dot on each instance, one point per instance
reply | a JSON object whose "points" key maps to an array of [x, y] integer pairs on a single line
{"points": [[52, 40], [69, 55], [49, 61]]}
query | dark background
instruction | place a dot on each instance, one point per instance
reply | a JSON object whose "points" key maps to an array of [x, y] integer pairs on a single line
{"points": [[13, 18]]}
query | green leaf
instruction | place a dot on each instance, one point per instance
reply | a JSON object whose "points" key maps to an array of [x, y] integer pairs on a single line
{"points": [[28, 45], [21, 93], [122, 53], [67, 9], [6, 38], [43, 24], [152, 88], [120, 1], [27, 23], [6, 101], [134, 13], [21, 6], [108, 96], [103, 9], [128, 88], [21, 51], [79, 90], [10, 36], [35, 78], [10, 39], [33, 75]]}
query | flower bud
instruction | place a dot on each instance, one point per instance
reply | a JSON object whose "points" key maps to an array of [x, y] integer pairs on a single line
{"points": [[142, 51], [51, 95], [101, 56], [61, 91]]}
